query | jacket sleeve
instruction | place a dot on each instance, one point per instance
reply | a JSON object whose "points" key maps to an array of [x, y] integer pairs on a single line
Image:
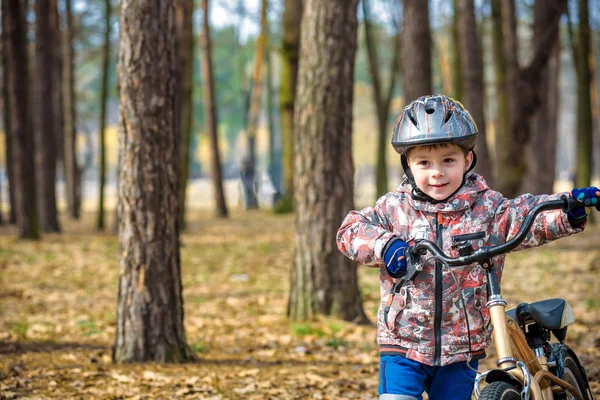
{"points": [[364, 234], [548, 226]]}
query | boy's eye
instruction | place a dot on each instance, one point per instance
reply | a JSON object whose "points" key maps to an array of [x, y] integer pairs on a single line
{"points": [[422, 163], [449, 160]]}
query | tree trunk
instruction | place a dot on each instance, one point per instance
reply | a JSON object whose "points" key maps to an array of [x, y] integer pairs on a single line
{"points": [[416, 50], [382, 104], [184, 11], [13, 28], [7, 133], [474, 96], [541, 151], [248, 167], [457, 69], [210, 107], [583, 174], [72, 172], [323, 281], [57, 86], [501, 136], [290, 48], [101, 131], [274, 162], [150, 302], [523, 86], [44, 134]]}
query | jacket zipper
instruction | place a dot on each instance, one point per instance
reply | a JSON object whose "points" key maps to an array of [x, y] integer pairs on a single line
{"points": [[439, 227]]}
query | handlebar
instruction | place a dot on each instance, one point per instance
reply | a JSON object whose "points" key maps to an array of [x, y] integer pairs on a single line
{"points": [[486, 253]]}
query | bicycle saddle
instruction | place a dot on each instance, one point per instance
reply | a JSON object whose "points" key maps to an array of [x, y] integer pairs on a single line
{"points": [[552, 314]]}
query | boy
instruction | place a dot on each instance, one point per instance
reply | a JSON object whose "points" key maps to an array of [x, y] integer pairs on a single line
{"points": [[423, 339]]}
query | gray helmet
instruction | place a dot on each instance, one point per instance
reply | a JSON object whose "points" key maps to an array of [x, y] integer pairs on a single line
{"points": [[431, 120]]}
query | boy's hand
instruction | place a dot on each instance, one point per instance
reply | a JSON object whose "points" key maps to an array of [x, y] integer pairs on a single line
{"points": [[589, 197], [394, 256]]}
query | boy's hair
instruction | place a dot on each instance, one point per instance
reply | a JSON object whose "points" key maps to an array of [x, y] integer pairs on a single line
{"points": [[436, 146]]}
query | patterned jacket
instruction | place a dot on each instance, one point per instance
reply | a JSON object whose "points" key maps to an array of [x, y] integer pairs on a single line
{"points": [[426, 320]]}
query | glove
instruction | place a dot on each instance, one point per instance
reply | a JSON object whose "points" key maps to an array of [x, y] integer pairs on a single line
{"points": [[589, 197], [393, 256]]}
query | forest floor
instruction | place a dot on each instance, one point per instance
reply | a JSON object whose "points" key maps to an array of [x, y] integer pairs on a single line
{"points": [[58, 302]]}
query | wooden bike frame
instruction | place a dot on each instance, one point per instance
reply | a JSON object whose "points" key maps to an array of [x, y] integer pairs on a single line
{"points": [[514, 354]]}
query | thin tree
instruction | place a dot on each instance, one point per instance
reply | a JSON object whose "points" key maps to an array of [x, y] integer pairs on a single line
{"points": [[323, 281], [248, 167], [44, 134], [7, 133], [382, 100], [72, 171], [210, 107], [522, 86], [457, 63], [184, 11], [57, 87], [501, 137], [474, 96], [541, 151], [290, 49], [274, 159], [102, 129], [581, 49], [416, 50], [150, 300], [21, 133]]}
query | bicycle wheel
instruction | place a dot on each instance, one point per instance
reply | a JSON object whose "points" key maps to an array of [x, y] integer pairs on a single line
{"points": [[500, 391], [574, 376]]}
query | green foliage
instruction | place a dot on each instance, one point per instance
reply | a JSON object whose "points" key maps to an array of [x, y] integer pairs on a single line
{"points": [[20, 328], [306, 329]]}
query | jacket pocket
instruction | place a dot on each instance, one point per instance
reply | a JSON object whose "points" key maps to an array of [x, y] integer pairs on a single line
{"points": [[396, 302]]}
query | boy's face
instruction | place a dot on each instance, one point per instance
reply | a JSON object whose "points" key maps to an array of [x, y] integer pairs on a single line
{"points": [[438, 171]]}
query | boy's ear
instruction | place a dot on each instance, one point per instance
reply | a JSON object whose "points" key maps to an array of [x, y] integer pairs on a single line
{"points": [[469, 160]]}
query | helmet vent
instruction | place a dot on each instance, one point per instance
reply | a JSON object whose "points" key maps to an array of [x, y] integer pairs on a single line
{"points": [[448, 115], [412, 118]]}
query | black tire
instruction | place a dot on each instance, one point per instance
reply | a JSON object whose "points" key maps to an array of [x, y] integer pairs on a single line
{"points": [[575, 377], [500, 391]]}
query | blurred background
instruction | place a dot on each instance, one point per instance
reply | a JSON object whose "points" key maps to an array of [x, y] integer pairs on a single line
{"points": [[235, 26]]}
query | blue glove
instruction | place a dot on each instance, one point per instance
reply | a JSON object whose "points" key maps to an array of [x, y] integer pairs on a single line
{"points": [[589, 197], [393, 256]]}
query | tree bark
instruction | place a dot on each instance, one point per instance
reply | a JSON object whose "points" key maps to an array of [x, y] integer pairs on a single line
{"points": [[57, 87], [541, 151], [522, 86], [416, 50], [22, 142], [457, 69], [184, 11], [502, 137], [72, 171], [248, 167], [382, 103], [150, 301], [290, 48], [101, 131], [210, 107], [44, 134], [323, 281], [7, 133], [474, 96], [583, 174]]}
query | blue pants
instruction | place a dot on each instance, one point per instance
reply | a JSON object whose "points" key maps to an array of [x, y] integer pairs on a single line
{"points": [[399, 375]]}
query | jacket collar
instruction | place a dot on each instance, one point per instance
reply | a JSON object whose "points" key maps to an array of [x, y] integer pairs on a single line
{"points": [[465, 197]]}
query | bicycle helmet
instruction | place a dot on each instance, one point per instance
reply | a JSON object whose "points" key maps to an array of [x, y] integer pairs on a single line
{"points": [[433, 120]]}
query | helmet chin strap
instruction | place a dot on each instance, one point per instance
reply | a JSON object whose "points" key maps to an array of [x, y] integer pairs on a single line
{"points": [[418, 194]]}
